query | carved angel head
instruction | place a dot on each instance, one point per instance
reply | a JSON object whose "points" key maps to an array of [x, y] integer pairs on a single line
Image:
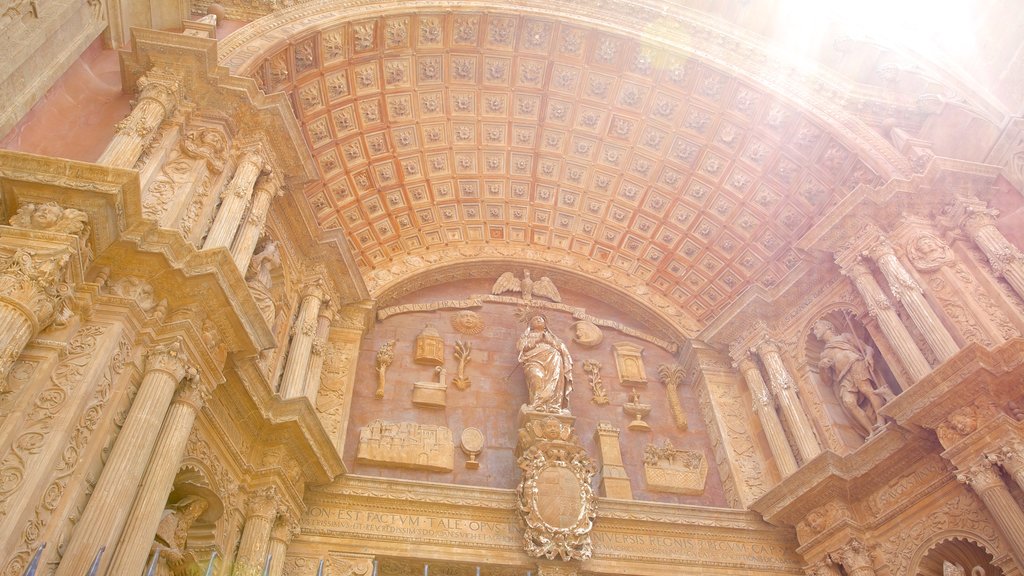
{"points": [[50, 217]]}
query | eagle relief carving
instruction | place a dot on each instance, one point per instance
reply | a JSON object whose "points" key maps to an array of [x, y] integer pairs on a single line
{"points": [[529, 287]]}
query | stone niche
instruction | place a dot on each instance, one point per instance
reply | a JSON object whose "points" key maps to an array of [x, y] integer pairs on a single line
{"points": [[406, 445], [675, 471]]}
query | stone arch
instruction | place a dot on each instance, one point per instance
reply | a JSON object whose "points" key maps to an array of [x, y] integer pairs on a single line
{"points": [[632, 298], [685, 257], [960, 548]]}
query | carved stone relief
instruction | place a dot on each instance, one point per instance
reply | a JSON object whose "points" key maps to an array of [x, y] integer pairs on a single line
{"points": [[432, 394], [629, 362], [406, 445], [554, 496], [667, 469], [592, 369], [467, 322]]}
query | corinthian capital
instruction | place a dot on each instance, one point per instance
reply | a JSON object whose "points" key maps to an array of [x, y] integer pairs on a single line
{"points": [[980, 476], [853, 556], [978, 217], [264, 502], [161, 87], [192, 392], [170, 358], [34, 280]]}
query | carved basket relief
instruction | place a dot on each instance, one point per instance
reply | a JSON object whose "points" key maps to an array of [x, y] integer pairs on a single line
{"points": [[677, 471]]}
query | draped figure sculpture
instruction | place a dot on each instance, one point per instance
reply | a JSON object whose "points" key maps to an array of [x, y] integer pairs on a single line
{"points": [[547, 367], [844, 365]]}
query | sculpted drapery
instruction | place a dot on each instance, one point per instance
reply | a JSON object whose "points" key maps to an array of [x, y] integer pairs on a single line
{"points": [[547, 367]]}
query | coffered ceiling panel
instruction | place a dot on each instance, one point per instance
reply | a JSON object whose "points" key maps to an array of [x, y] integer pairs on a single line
{"points": [[434, 131]]}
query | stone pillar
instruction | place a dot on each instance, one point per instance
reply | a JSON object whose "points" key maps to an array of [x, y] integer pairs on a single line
{"points": [[907, 291], [132, 550], [614, 479], [895, 332], [249, 232], [234, 199], [158, 97], [255, 542], [32, 292], [280, 536], [854, 558], [318, 351], [764, 405], [1006, 260], [789, 401], [984, 479], [108, 507], [293, 382]]}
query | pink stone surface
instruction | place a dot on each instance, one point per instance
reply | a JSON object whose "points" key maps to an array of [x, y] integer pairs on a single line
{"points": [[492, 403], [75, 118]]}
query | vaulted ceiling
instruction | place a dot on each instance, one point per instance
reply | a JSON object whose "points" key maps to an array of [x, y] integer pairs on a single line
{"points": [[449, 135]]}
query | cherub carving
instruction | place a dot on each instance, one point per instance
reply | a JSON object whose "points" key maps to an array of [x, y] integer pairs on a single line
{"points": [[51, 218]]}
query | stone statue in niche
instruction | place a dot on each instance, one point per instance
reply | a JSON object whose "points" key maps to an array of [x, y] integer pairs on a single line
{"points": [[260, 280], [547, 366], [529, 287], [172, 532], [848, 365]]}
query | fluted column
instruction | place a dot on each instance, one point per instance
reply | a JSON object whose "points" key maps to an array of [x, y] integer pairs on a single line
{"points": [[132, 550], [293, 382], [318, 351], [984, 479], [157, 100], [249, 231], [234, 199], [789, 401], [907, 291], [880, 308], [255, 542], [854, 558], [764, 405], [280, 536], [108, 507], [1006, 260]]}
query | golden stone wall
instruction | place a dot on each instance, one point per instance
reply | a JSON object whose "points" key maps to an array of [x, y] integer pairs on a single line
{"points": [[251, 339]]}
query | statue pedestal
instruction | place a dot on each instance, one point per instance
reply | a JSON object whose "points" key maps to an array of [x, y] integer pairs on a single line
{"points": [[555, 500]]}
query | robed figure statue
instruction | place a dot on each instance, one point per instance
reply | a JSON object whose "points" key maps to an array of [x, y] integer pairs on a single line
{"points": [[849, 368], [547, 366]]}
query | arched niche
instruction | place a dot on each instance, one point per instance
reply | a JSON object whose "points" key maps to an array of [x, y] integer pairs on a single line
{"points": [[960, 555], [843, 319]]}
